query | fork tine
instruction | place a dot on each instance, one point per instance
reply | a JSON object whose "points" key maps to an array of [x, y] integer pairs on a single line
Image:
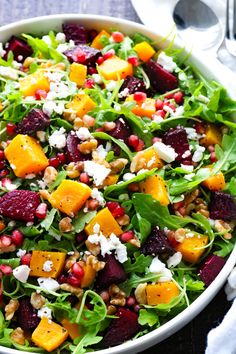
{"points": [[230, 35], [227, 20], [234, 20]]}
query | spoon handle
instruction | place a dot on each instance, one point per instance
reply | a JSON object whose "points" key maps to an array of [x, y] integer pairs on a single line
{"points": [[230, 35]]}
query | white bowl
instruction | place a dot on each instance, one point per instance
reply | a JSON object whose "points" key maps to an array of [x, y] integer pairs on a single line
{"points": [[209, 68]]}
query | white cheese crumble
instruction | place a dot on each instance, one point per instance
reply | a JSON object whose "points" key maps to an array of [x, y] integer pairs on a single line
{"points": [[192, 134], [60, 37], [198, 154], [187, 168], [190, 176], [186, 154], [47, 266], [174, 260], [98, 196], [128, 176], [159, 268], [101, 152], [97, 79], [59, 90], [166, 62], [20, 253], [98, 172], [58, 139], [124, 93], [48, 284], [65, 46], [50, 106], [83, 133], [45, 312], [2, 51], [179, 111], [157, 118], [165, 152], [8, 73], [21, 273], [41, 135], [110, 86]]}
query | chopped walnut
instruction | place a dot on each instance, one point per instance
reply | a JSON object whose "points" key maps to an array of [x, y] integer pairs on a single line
{"points": [[71, 289], [180, 235], [18, 336], [71, 260], [118, 297], [87, 147], [65, 224], [44, 194], [111, 310], [135, 242], [118, 165], [138, 162], [123, 220], [10, 309], [50, 175], [37, 300], [78, 123], [140, 293], [73, 170], [93, 248], [224, 227], [95, 263]]}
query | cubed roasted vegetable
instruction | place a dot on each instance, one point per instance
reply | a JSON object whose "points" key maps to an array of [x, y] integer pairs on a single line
{"points": [[96, 43], [70, 196], [144, 50], [47, 264], [25, 156], [81, 104], [146, 159], [143, 109], [161, 293], [216, 182], [31, 83], [107, 222], [155, 186], [89, 276], [72, 328], [115, 68], [212, 136], [78, 73], [49, 335], [110, 180], [192, 247]]}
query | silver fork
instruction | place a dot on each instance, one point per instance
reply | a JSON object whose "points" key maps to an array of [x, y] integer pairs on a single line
{"points": [[230, 35]]}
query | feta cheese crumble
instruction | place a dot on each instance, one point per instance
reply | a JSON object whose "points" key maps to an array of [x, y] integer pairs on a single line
{"points": [[174, 260], [47, 266], [58, 139], [60, 37], [187, 168], [21, 273], [165, 152], [8, 73], [101, 152], [166, 62], [48, 284], [45, 312], [20, 253], [98, 196], [83, 133], [128, 176], [159, 268], [98, 172], [198, 154]]}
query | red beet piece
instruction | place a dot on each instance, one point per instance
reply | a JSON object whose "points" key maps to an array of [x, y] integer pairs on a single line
{"points": [[112, 273], [121, 131], [72, 153], [27, 315], [75, 32], [161, 79], [211, 268], [83, 54], [157, 244], [19, 48], [178, 140], [35, 120], [122, 328], [19, 205], [222, 206], [133, 84]]}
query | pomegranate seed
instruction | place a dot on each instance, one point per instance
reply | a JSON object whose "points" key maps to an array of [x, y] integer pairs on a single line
{"points": [[136, 308], [110, 53], [99, 130], [81, 57], [171, 105], [2, 155], [11, 128], [54, 162], [17, 237], [159, 104], [25, 260], [112, 205], [41, 211], [213, 157], [156, 139], [127, 236], [200, 127], [72, 280], [4, 173], [178, 97], [6, 269], [130, 301], [100, 60], [115, 209], [133, 60], [2, 165], [133, 141], [211, 148], [169, 95], [77, 270], [140, 145], [105, 296], [92, 70], [140, 96], [84, 178], [159, 113], [89, 83], [81, 237], [61, 157], [62, 279], [5, 241], [117, 37], [178, 205], [40, 94]]}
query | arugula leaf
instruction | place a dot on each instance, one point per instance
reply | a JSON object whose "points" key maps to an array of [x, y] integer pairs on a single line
{"points": [[12, 262], [141, 226], [232, 186], [148, 317], [30, 231], [88, 317], [138, 266], [226, 154], [60, 177], [126, 49], [82, 219], [47, 222], [225, 247], [89, 338], [135, 280]]}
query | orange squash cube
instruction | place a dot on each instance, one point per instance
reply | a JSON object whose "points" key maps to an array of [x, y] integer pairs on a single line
{"points": [[78, 73], [110, 180], [144, 50], [149, 158], [96, 43], [107, 222], [49, 335], [143, 109], [212, 136], [216, 182], [72, 328], [161, 293], [25, 156], [37, 263], [115, 68], [31, 83], [70, 196], [155, 186], [192, 247], [89, 276], [81, 104]]}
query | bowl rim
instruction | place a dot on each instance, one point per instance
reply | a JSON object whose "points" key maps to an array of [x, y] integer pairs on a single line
{"points": [[184, 317]]}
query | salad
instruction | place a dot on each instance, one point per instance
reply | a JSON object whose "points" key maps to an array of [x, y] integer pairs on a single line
{"points": [[117, 205]]}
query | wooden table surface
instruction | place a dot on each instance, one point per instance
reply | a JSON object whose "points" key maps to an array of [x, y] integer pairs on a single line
{"points": [[192, 338]]}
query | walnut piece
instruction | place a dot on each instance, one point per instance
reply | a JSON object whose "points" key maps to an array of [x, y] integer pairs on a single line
{"points": [[118, 297], [71, 289], [50, 175], [140, 293], [37, 300], [95, 263], [18, 336], [10, 309], [65, 224]]}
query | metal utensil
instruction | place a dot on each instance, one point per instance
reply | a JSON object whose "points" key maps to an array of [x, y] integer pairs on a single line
{"points": [[230, 35]]}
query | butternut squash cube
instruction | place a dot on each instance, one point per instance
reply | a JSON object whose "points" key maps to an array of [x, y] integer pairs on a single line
{"points": [[144, 50], [70, 196], [81, 104], [161, 293], [115, 68], [40, 269], [78, 73], [25, 156], [155, 186], [146, 159], [107, 222], [89, 276], [49, 335], [110, 180], [143, 109], [212, 136], [31, 83], [192, 247], [215, 183], [72, 328], [96, 43]]}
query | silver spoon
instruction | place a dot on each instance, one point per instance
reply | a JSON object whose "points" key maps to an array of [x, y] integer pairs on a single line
{"points": [[198, 24]]}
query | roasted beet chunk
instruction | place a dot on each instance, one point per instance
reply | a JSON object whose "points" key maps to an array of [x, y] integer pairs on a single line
{"points": [[83, 54], [34, 121], [75, 32], [222, 206], [177, 139], [121, 131], [122, 328], [161, 79], [19, 205], [19, 48], [211, 268], [27, 315], [131, 85], [72, 152], [112, 273], [157, 244]]}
